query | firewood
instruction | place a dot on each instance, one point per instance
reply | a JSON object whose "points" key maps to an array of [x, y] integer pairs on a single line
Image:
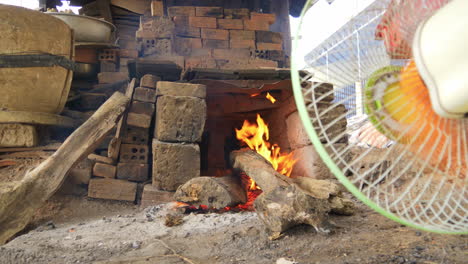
{"points": [[286, 202], [288, 206], [212, 191], [259, 169], [20, 200]]}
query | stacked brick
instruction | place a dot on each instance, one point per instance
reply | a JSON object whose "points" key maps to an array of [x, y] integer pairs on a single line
{"points": [[129, 154], [211, 37], [179, 124]]}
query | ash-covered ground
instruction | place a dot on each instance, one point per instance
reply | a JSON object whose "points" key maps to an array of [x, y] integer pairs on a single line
{"points": [[80, 230]]}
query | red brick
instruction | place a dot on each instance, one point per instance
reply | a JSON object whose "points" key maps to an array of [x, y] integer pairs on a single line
{"points": [[202, 22], [230, 23], [242, 44], [242, 34], [181, 11], [256, 24], [182, 28], [268, 37], [270, 18], [236, 13], [104, 170], [132, 172], [157, 8], [208, 11], [209, 33], [269, 46], [215, 44], [112, 189]]}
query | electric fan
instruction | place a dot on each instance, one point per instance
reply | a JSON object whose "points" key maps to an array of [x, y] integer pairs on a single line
{"points": [[400, 68]]}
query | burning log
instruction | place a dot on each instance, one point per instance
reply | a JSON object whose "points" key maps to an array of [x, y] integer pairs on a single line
{"points": [[286, 202], [212, 192], [259, 169], [20, 200]]}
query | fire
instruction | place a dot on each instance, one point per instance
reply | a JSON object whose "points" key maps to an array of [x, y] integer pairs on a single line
{"points": [[254, 94], [256, 137], [271, 98]]}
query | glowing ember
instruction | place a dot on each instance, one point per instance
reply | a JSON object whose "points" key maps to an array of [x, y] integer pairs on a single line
{"points": [[271, 98], [254, 94], [256, 137]]}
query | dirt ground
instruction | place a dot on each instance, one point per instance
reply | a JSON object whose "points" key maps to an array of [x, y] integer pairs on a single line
{"points": [[71, 229]]}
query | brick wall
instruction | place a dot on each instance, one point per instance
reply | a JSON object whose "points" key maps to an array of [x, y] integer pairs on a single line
{"points": [[210, 37]]}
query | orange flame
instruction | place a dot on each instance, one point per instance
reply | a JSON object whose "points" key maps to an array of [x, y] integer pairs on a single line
{"points": [[256, 137], [254, 94], [271, 98]]}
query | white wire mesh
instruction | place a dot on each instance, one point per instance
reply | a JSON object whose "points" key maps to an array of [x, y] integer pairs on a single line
{"points": [[421, 177]]}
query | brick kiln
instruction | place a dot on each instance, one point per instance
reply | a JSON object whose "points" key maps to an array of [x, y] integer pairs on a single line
{"points": [[198, 74], [208, 117]]}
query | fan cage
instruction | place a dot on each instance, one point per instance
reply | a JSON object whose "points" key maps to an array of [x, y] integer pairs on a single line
{"points": [[396, 181]]}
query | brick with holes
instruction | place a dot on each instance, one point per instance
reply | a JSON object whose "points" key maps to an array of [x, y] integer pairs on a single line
{"points": [[174, 164], [132, 153], [135, 135], [109, 55], [155, 46]]}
